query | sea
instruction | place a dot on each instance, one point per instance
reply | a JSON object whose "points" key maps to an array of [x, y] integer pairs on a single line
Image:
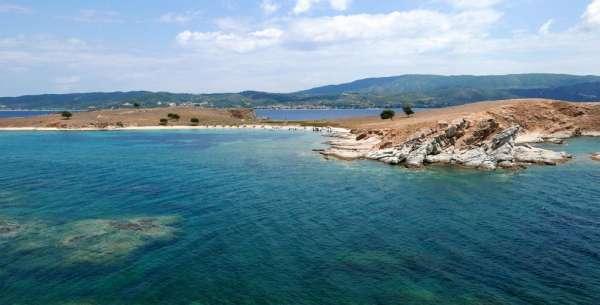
{"points": [[23, 113], [238, 217]]}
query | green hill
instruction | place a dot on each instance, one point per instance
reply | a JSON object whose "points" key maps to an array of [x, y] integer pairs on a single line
{"points": [[420, 90], [430, 83]]}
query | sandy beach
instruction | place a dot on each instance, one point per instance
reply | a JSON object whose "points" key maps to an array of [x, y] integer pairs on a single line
{"points": [[183, 127]]}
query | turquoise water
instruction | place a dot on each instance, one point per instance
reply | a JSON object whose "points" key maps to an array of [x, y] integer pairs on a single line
{"points": [[255, 217]]}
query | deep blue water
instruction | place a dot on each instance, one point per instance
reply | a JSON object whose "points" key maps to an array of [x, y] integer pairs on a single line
{"points": [[255, 217], [319, 114], [22, 114]]}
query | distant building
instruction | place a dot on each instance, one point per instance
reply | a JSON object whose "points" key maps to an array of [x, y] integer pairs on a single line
{"points": [[128, 104], [172, 104]]}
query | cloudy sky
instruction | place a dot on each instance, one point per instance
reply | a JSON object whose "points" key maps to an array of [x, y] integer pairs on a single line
{"points": [[283, 45]]}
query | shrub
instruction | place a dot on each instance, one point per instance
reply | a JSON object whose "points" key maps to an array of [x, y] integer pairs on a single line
{"points": [[194, 121], [120, 124], [66, 115], [387, 114], [136, 105], [173, 116], [407, 108], [163, 122]]}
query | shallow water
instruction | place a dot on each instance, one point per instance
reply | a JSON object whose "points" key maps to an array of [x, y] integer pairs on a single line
{"points": [[255, 217]]}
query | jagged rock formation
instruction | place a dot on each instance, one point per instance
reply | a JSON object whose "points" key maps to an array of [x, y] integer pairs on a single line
{"points": [[491, 139], [483, 150]]}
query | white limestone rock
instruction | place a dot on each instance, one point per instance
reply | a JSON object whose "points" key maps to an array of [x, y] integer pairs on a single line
{"points": [[528, 154]]}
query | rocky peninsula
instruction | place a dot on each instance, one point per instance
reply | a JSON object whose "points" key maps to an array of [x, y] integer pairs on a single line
{"points": [[487, 135]]}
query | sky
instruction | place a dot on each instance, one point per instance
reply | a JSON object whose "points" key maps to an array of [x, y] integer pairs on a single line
{"points": [[203, 46]]}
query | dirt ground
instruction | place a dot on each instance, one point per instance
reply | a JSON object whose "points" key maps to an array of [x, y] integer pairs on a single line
{"points": [[533, 115], [136, 117]]}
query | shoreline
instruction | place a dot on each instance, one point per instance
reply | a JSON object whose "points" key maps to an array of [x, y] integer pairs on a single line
{"points": [[484, 136], [184, 127]]}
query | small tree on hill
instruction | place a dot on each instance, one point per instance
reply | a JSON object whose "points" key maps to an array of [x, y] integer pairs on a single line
{"points": [[194, 121], [136, 105], [387, 114], [66, 115], [163, 122], [173, 116], [407, 108]]}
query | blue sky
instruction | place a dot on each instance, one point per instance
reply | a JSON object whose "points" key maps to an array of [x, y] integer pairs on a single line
{"points": [[283, 45]]}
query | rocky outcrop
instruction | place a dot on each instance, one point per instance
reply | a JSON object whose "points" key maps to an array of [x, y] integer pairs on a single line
{"points": [[596, 156], [482, 145], [348, 146]]}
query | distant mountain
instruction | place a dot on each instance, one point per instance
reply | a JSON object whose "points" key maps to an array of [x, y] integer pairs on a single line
{"points": [[579, 92], [419, 90], [428, 83]]}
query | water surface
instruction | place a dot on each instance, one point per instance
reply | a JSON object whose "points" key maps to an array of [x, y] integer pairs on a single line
{"points": [[255, 217], [23, 113]]}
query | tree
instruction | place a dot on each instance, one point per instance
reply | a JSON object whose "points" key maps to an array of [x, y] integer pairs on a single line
{"points": [[173, 116], [407, 108], [194, 121], [163, 122], [66, 115], [387, 114], [136, 105]]}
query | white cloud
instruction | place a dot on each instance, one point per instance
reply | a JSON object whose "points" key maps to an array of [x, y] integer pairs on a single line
{"points": [[12, 8], [416, 24], [545, 28], [237, 42], [269, 7], [40, 42], [177, 18], [592, 13], [470, 4], [303, 6], [420, 30], [340, 5]]}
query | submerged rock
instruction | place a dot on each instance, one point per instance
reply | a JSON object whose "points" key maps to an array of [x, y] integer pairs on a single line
{"points": [[101, 241], [367, 261], [596, 156], [9, 228]]}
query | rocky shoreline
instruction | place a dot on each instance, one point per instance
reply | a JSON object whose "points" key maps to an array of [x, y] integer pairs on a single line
{"points": [[485, 141], [437, 147]]}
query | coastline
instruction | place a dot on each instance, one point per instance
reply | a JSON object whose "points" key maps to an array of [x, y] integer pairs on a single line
{"points": [[184, 127], [486, 136]]}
